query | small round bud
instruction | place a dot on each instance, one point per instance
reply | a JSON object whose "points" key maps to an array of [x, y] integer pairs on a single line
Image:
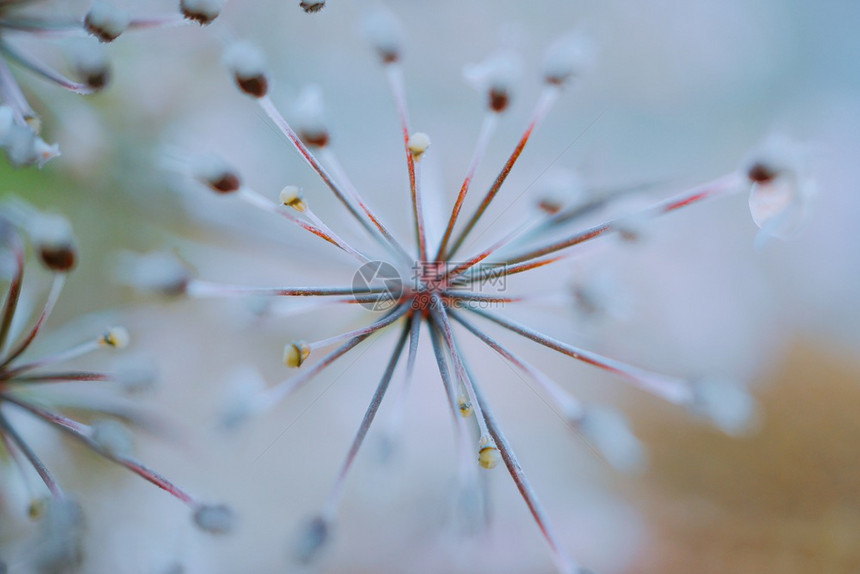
{"points": [[106, 22], [465, 406], [116, 337], [781, 188], [216, 174], [312, 6], [92, 66], [214, 518], [24, 147], [313, 537], [729, 406], [608, 431], [295, 353], [52, 236], [156, 272], [309, 117], [633, 227], [135, 374], [112, 438], [201, 11], [567, 58], [291, 197], [248, 65], [495, 76], [489, 456], [419, 142], [383, 32]]}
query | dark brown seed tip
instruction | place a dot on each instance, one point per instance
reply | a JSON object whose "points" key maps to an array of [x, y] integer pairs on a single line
{"points": [[315, 138], [61, 259], [760, 173], [312, 6], [499, 100], [228, 182], [256, 86]]}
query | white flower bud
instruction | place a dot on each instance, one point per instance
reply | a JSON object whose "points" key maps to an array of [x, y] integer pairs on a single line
{"points": [[729, 406], [383, 32], [488, 453], [609, 432], [155, 272], [309, 117], [567, 58], [214, 518], [419, 142], [242, 397], [112, 438], [291, 196], [495, 75], [201, 11], [782, 187], [247, 63], [213, 171], [24, 147], [53, 238], [295, 353], [559, 188], [134, 373], [92, 65], [116, 337], [106, 22]]}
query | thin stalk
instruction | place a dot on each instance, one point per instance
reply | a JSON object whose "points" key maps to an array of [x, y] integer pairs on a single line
{"points": [[333, 499], [50, 302], [547, 99]]}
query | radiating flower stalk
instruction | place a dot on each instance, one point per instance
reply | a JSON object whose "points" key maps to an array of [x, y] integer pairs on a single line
{"points": [[447, 294], [22, 377], [20, 124]]}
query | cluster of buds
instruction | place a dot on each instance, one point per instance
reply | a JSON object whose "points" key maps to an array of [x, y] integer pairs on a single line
{"points": [[104, 22], [23, 377]]}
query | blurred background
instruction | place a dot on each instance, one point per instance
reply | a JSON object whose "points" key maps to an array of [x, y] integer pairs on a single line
{"points": [[680, 93]]}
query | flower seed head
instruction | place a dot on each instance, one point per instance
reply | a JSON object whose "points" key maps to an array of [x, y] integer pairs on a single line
{"points": [[112, 438], [214, 518], [312, 6], [157, 272], [201, 11], [309, 117], [567, 58], [92, 66], [295, 353], [609, 432], [248, 65], [419, 142], [106, 22], [53, 238], [729, 406], [781, 188], [383, 32], [291, 196], [495, 76], [116, 337], [313, 537], [215, 173]]}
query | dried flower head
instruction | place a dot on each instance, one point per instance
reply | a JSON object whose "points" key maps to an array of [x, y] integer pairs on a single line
{"points": [[426, 283], [22, 377]]}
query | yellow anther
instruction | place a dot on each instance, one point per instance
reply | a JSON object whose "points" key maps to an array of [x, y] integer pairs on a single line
{"points": [[116, 337], [295, 353], [465, 406], [292, 197]]}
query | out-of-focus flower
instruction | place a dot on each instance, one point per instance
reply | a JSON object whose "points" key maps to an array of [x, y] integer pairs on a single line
{"points": [[20, 124], [101, 426]]}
